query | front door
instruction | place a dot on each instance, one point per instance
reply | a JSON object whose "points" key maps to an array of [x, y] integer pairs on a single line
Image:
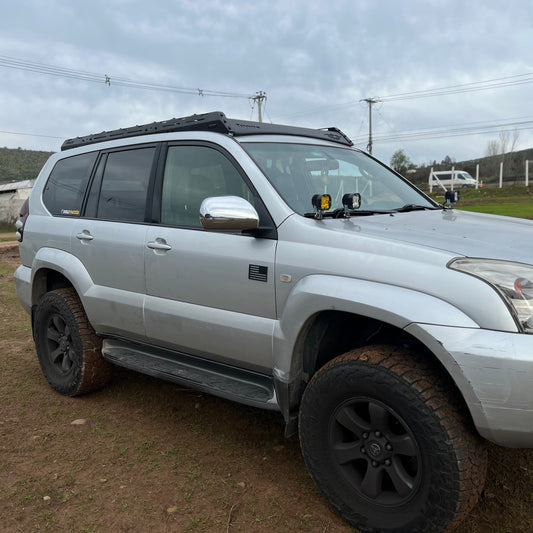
{"points": [[209, 293]]}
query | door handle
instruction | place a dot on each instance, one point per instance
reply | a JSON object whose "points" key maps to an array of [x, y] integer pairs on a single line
{"points": [[159, 244], [84, 236]]}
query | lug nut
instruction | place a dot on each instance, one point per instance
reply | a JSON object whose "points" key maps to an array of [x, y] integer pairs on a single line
{"points": [[365, 435], [388, 446], [363, 450], [387, 462], [374, 463], [377, 433]]}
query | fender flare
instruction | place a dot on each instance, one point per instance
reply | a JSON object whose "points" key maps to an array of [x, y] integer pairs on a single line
{"points": [[60, 261], [390, 304], [397, 306]]}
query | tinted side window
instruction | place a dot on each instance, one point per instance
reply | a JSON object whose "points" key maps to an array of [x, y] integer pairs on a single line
{"points": [[65, 188], [193, 173], [125, 185]]}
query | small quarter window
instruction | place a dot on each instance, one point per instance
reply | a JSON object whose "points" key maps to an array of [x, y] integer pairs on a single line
{"points": [[65, 188]]}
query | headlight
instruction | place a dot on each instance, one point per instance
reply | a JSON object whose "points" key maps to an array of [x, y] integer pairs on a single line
{"points": [[514, 281]]}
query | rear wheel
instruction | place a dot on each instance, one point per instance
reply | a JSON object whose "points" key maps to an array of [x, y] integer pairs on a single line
{"points": [[69, 351], [388, 443]]}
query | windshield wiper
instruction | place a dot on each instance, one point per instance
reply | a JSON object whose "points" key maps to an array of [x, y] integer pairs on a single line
{"points": [[339, 213], [414, 207]]}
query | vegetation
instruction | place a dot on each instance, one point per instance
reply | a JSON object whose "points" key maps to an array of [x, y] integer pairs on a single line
{"points": [[6, 227], [19, 164], [401, 162]]}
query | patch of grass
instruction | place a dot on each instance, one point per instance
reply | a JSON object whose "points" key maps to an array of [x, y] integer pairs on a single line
{"points": [[513, 201], [5, 269], [5, 227], [510, 209]]}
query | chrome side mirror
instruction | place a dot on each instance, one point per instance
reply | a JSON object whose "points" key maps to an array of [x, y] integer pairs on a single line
{"points": [[228, 213]]}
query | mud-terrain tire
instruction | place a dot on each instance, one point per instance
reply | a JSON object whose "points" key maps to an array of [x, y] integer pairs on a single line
{"points": [[388, 442], [69, 351]]}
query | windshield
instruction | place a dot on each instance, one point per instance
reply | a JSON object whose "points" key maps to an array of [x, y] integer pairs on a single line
{"points": [[299, 171]]}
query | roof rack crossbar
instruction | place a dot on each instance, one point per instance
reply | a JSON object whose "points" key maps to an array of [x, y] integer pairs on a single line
{"points": [[215, 121]]}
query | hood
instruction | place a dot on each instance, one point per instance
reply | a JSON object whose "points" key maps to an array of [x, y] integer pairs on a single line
{"points": [[457, 232]]}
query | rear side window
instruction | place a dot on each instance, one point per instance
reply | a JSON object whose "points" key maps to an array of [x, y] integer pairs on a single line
{"points": [[65, 188], [125, 184]]}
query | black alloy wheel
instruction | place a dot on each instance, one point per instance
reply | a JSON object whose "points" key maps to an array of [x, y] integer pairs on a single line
{"points": [[376, 451], [389, 442], [69, 351]]}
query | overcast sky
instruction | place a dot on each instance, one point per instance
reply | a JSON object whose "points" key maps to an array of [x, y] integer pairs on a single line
{"points": [[314, 59]]}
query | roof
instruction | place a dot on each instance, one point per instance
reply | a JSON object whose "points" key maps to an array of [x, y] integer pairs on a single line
{"points": [[215, 122]]}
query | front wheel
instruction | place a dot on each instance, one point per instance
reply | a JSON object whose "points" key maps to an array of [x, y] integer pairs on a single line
{"points": [[69, 351], [388, 443]]}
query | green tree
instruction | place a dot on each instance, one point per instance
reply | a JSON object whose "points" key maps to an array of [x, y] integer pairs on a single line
{"points": [[400, 162]]}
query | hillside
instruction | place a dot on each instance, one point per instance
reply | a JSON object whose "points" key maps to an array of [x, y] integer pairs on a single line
{"points": [[18, 164]]}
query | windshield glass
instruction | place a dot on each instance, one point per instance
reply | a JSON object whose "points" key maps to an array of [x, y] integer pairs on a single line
{"points": [[299, 171]]}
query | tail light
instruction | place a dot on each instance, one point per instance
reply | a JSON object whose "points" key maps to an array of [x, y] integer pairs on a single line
{"points": [[24, 212]]}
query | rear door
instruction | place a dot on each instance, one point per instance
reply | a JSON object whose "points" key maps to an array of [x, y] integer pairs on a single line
{"points": [[209, 293], [109, 240]]}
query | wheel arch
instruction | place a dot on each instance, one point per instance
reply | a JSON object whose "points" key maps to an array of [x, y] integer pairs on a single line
{"points": [[351, 314], [55, 269]]}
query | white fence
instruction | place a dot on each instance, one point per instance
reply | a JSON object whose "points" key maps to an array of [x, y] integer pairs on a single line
{"points": [[479, 182]]}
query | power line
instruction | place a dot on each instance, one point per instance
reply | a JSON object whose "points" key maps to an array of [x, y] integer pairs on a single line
{"points": [[31, 134], [507, 81], [495, 83], [30, 66], [451, 131]]}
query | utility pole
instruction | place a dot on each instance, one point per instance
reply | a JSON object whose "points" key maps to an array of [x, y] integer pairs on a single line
{"points": [[369, 101], [259, 98]]}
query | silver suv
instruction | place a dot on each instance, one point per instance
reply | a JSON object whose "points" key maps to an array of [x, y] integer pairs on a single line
{"points": [[282, 268]]}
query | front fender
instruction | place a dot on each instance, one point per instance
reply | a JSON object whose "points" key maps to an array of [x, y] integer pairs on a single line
{"points": [[390, 304]]}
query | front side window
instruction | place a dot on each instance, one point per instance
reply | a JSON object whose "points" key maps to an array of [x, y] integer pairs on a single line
{"points": [[299, 171], [193, 173], [124, 187], [65, 188]]}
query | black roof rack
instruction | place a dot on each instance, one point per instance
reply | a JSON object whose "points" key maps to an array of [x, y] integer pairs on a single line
{"points": [[215, 121]]}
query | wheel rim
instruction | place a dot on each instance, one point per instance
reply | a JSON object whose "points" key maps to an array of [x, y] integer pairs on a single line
{"points": [[375, 451], [59, 348]]}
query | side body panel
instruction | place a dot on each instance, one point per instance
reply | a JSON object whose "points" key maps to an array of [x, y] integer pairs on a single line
{"points": [[113, 254], [212, 294]]}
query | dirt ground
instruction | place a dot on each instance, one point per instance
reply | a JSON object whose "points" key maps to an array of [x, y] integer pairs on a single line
{"points": [[145, 455]]}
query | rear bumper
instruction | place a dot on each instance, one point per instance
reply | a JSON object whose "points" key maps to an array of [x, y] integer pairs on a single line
{"points": [[23, 286], [494, 371]]}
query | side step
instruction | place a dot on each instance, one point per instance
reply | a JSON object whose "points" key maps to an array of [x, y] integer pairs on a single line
{"points": [[243, 386]]}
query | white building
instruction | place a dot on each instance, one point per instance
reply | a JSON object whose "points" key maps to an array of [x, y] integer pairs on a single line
{"points": [[12, 196]]}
